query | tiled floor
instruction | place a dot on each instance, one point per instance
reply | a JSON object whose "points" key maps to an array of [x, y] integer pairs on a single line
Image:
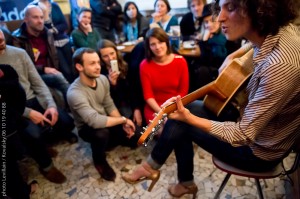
{"points": [[85, 183]]}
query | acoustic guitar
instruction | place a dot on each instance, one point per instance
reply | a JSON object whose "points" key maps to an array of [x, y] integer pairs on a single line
{"points": [[217, 94]]}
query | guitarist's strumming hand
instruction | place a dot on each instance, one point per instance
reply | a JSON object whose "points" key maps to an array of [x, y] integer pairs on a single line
{"points": [[181, 114]]}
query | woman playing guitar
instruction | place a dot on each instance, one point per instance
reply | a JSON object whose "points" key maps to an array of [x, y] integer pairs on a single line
{"points": [[269, 120]]}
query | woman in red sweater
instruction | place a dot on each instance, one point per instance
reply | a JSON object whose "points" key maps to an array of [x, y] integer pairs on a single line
{"points": [[163, 74]]}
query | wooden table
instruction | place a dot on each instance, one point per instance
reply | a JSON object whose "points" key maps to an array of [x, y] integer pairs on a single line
{"points": [[195, 52], [127, 48], [184, 52]]}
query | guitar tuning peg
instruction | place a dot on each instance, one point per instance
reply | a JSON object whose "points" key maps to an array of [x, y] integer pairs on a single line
{"points": [[156, 114], [150, 121], [144, 128]]}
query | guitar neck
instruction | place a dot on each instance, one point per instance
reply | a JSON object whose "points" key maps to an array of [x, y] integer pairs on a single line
{"points": [[199, 93]]}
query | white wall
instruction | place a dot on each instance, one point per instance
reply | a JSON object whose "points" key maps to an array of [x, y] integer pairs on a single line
{"points": [[149, 4]]}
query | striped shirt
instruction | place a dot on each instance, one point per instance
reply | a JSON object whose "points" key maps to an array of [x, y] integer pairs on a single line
{"points": [[270, 121]]}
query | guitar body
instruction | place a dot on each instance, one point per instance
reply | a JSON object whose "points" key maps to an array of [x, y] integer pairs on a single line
{"points": [[229, 82], [217, 93]]}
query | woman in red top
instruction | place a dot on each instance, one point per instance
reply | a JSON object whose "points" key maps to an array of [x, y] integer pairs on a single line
{"points": [[163, 74]]}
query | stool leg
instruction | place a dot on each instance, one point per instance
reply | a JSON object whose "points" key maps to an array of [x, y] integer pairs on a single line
{"points": [[259, 190], [222, 186]]}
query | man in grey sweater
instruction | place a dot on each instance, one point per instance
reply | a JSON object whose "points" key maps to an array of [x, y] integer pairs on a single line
{"points": [[40, 112], [98, 120]]}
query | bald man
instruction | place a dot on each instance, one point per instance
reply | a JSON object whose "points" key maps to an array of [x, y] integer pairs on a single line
{"points": [[38, 42]]}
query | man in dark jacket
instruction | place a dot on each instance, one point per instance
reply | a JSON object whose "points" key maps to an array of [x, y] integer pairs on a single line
{"points": [[104, 16], [38, 42]]}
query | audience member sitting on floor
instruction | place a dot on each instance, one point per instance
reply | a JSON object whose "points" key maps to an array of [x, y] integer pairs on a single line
{"points": [[98, 120], [190, 23], [161, 17], [269, 120], [163, 74], [40, 112], [135, 24], [13, 99], [125, 99], [85, 35], [56, 22], [38, 42]]}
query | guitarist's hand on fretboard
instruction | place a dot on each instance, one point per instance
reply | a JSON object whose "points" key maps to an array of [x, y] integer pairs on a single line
{"points": [[181, 114]]}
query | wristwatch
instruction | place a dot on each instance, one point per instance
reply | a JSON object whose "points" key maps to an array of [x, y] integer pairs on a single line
{"points": [[124, 120]]}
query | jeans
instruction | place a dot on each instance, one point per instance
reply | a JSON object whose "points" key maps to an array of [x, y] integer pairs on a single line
{"points": [[36, 137], [64, 54], [180, 136], [57, 81], [104, 138]]}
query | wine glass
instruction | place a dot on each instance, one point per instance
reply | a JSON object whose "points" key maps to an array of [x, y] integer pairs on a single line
{"points": [[122, 37], [193, 42], [117, 39]]}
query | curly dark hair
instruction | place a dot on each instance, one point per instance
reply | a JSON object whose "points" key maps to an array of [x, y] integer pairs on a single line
{"points": [[267, 16]]}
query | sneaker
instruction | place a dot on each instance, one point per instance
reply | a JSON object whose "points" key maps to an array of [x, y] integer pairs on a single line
{"points": [[54, 175], [106, 171]]}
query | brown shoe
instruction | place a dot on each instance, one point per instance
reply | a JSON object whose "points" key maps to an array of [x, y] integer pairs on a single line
{"points": [[178, 190], [106, 171], [52, 152], [54, 175]]}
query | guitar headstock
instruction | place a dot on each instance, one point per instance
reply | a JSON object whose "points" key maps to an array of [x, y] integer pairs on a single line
{"points": [[152, 128]]}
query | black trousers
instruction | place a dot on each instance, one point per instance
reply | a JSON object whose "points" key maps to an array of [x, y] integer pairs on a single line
{"points": [[16, 187], [36, 137], [104, 138]]}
